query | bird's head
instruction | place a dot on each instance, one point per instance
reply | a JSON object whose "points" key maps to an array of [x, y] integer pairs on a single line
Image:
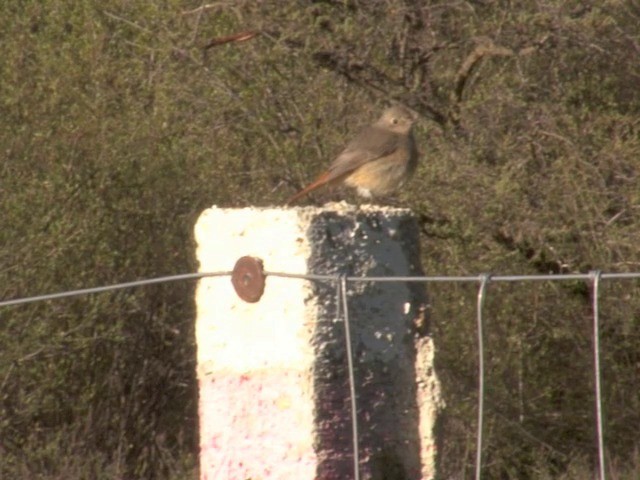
{"points": [[397, 119]]}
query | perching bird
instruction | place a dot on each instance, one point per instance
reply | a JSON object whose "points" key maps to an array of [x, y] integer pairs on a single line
{"points": [[378, 161]]}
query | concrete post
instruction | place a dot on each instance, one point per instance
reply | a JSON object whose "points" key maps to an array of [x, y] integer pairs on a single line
{"points": [[274, 392]]}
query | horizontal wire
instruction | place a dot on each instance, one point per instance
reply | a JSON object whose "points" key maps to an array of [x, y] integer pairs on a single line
{"points": [[496, 278], [304, 276], [316, 277], [107, 288]]}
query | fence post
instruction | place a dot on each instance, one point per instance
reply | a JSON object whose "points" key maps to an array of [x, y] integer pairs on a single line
{"points": [[274, 397]]}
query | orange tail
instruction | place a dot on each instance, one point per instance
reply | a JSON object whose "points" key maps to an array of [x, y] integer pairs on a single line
{"points": [[319, 182]]}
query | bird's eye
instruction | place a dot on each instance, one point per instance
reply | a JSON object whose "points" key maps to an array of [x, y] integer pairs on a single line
{"points": [[394, 121]]}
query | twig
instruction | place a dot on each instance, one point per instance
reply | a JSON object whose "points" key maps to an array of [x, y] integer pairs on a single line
{"points": [[124, 20], [202, 8], [236, 37], [485, 48]]}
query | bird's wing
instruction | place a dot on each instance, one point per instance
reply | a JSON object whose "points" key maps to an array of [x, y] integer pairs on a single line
{"points": [[372, 143]]}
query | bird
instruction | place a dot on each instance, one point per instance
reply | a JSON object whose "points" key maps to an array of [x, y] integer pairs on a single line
{"points": [[378, 161]]}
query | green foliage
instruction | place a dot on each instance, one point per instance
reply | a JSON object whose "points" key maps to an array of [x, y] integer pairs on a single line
{"points": [[117, 128]]}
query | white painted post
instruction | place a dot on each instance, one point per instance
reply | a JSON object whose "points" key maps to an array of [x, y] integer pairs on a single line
{"points": [[274, 393]]}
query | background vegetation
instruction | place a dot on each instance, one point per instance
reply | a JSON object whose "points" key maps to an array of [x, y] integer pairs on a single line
{"points": [[117, 127]]}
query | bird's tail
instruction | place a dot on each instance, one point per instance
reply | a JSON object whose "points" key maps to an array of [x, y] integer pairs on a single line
{"points": [[319, 182]]}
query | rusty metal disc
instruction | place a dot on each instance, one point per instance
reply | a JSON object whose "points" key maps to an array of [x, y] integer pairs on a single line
{"points": [[248, 279]]}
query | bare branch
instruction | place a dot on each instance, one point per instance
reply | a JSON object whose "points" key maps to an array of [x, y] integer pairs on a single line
{"points": [[203, 8], [236, 37], [484, 48]]}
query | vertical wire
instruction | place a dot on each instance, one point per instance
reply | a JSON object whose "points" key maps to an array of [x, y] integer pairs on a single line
{"points": [[484, 281], [595, 281], [342, 295]]}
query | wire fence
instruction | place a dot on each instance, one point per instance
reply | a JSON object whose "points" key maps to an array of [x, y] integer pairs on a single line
{"points": [[594, 279]]}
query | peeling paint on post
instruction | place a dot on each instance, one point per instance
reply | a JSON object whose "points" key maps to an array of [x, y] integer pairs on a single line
{"points": [[274, 394]]}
